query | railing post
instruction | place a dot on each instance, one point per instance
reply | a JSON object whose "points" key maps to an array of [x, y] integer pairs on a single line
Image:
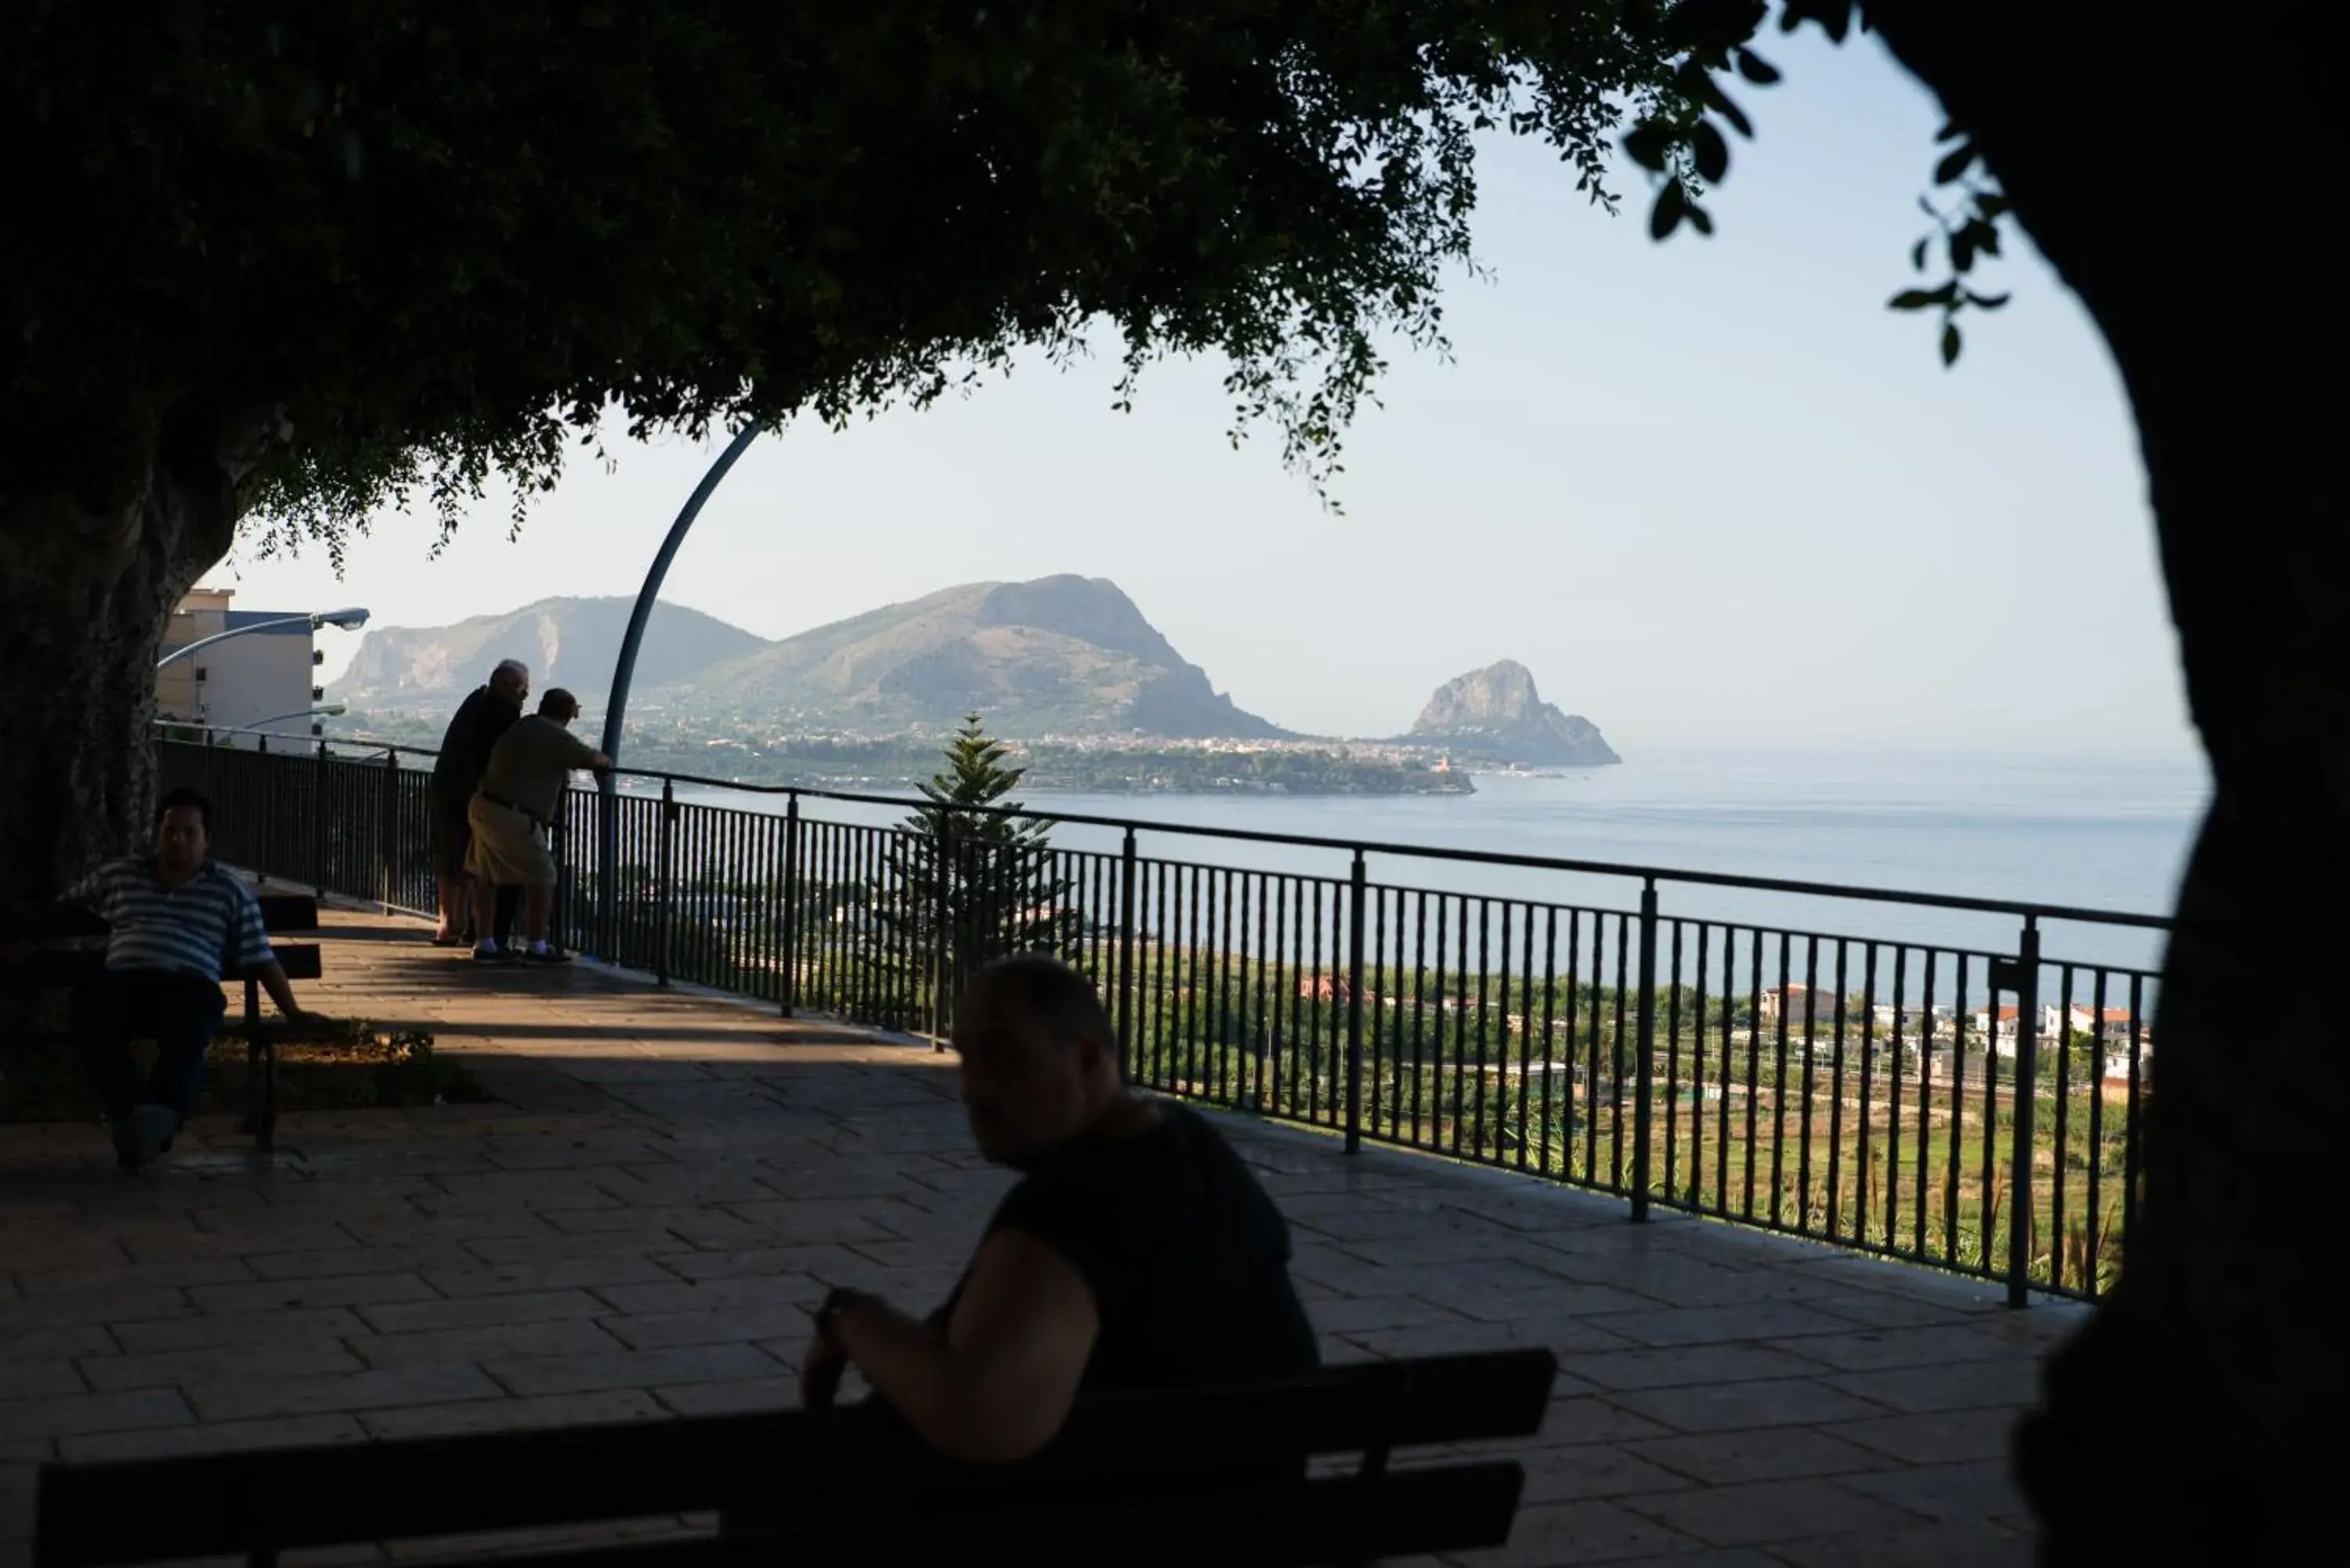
{"points": [[787, 987], [558, 916], [1126, 870], [2022, 1086], [1357, 891], [388, 850], [318, 822], [942, 919], [1644, 1057], [665, 875]]}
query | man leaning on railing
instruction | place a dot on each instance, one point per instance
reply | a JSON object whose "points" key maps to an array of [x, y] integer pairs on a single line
{"points": [[177, 923], [520, 793]]}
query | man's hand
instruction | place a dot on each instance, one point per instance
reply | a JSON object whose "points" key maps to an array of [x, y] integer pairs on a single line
{"points": [[302, 1021], [821, 1370]]}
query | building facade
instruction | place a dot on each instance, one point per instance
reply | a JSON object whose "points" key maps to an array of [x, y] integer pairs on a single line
{"points": [[262, 683]]}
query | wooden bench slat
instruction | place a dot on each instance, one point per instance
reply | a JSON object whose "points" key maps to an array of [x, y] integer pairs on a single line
{"points": [[1456, 1508], [202, 1505]]}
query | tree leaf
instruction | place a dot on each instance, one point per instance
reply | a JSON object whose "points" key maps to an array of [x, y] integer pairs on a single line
{"points": [[1756, 69], [1699, 219], [1666, 217], [1647, 143], [1988, 301], [1949, 343], [1917, 254], [1922, 298], [1954, 162], [1712, 153]]}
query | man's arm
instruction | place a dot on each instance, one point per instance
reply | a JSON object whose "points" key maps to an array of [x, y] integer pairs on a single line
{"points": [[272, 976], [998, 1383]]}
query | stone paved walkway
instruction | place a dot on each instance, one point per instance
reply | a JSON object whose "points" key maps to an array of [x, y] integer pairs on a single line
{"points": [[639, 1232]]}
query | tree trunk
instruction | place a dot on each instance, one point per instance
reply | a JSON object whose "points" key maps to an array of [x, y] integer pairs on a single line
{"points": [[2189, 1415], [86, 597]]}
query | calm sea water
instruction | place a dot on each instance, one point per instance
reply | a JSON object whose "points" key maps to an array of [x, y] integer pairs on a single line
{"points": [[2108, 835]]}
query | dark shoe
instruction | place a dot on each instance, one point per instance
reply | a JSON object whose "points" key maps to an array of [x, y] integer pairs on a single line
{"points": [[551, 955], [490, 953], [453, 939], [126, 1141]]}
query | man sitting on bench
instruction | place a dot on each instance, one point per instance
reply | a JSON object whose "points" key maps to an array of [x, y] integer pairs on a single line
{"points": [[1137, 1253], [177, 924]]}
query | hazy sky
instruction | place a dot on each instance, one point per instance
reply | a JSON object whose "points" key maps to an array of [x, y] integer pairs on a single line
{"points": [[1709, 492]]}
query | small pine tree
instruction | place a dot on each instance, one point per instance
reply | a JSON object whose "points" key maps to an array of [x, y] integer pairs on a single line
{"points": [[968, 879]]}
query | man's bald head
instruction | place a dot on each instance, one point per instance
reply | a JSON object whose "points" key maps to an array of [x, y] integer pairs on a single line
{"points": [[511, 680], [1039, 1056]]}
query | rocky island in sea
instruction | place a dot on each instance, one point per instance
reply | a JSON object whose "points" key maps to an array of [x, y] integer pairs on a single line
{"points": [[1495, 717]]}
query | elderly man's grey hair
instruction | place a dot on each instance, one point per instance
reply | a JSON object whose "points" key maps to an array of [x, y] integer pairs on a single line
{"points": [[514, 667]]}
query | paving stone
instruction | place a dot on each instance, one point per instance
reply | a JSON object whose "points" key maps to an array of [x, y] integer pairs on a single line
{"points": [[2013, 1383], [255, 1397], [1875, 1350], [1953, 1493], [719, 1325], [1723, 1408], [213, 1438], [1719, 1324], [124, 1278], [578, 1273], [74, 1413], [1915, 1546], [313, 1325], [92, 1306], [340, 1291], [630, 1369], [39, 1379], [1761, 1511], [477, 1311], [822, 1259], [1943, 1437], [503, 1414], [731, 1398], [446, 1346], [1581, 1470], [1682, 1367], [675, 1295], [215, 1363], [1775, 1453], [58, 1342]]}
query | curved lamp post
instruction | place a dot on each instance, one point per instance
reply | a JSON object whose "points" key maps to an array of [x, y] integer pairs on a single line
{"points": [[331, 711], [349, 619], [616, 706]]}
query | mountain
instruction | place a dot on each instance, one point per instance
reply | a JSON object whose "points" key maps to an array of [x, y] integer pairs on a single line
{"points": [[1057, 656], [1496, 714], [569, 642]]}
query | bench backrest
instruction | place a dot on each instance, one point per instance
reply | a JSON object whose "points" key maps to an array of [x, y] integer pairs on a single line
{"points": [[852, 1460]]}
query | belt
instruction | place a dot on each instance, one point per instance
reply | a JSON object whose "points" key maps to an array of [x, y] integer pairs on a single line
{"points": [[516, 805]]}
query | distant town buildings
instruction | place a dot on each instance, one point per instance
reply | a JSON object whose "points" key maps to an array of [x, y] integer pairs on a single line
{"points": [[264, 681]]}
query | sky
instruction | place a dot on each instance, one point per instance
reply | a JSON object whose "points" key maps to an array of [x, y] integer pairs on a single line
{"points": [[1712, 492]]}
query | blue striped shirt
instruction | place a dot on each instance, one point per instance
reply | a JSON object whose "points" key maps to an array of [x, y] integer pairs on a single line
{"points": [[196, 928]]}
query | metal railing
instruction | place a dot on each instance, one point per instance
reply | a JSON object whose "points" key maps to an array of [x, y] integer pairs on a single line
{"points": [[1971, 1104]]}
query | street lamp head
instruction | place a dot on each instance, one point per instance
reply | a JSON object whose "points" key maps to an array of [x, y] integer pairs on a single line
{"points": [[331, 711], [349, 619]]}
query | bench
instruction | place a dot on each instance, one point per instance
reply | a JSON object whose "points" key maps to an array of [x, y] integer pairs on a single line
{"points": [[280, 914], [1145, 1479]]}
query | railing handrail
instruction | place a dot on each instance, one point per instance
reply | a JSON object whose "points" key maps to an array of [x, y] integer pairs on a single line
{"points": [[1647, 875]]}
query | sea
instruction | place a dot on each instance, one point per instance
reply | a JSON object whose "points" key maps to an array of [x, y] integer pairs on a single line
{"points": [[2100, 834]]}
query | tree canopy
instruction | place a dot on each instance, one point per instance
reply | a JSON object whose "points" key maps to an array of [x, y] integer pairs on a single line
{"points": [[373, 247]]}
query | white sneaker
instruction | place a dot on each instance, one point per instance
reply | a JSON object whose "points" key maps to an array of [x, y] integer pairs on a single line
{"points": [[151, 1128]]}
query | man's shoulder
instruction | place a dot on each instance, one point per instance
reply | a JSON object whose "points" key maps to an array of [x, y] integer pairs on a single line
{"points": [[229, 883]]}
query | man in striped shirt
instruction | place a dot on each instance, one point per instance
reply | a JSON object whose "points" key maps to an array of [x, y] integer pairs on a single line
{"points": [[177, 924]]}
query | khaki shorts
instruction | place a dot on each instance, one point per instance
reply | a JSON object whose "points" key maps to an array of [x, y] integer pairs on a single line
{"points": [[505, 849]]}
